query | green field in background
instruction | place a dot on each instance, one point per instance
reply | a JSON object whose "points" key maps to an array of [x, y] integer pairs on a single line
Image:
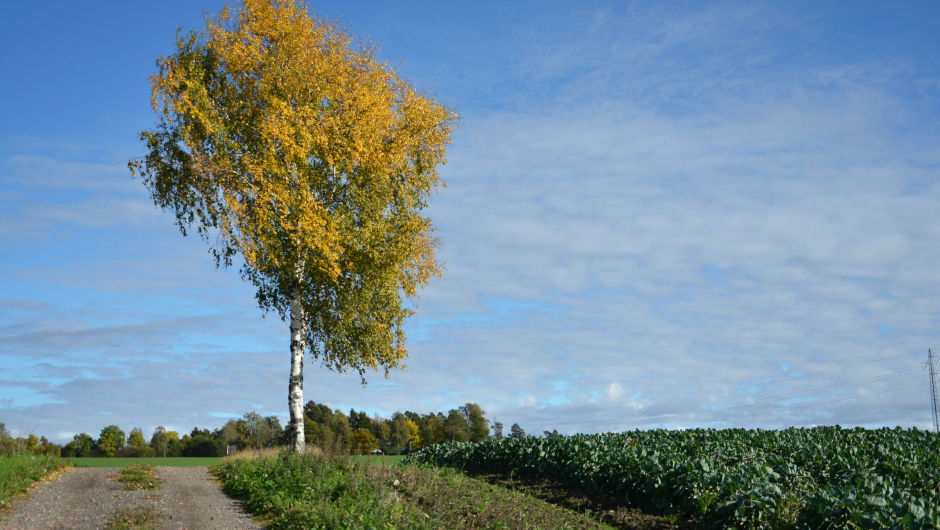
{"points": [[377, 460], [157, 461]]}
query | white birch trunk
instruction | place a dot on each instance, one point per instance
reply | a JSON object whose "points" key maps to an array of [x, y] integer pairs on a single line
{"points": [[295, 391]]}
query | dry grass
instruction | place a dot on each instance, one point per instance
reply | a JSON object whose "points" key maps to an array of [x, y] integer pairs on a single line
{"points": [[266, 452]]}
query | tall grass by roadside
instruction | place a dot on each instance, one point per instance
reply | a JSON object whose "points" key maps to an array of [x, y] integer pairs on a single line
{"points": [[264, 452], [20, 470], [312, 491]]}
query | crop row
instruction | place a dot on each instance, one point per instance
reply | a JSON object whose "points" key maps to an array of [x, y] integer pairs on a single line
{"points": [[824, 477]]}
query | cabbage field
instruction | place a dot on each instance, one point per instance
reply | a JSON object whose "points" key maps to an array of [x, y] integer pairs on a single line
{"points": [[823, 477]]}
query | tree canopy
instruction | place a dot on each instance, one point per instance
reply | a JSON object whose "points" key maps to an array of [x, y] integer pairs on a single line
{"points": [[111, 440], [283, 139]]}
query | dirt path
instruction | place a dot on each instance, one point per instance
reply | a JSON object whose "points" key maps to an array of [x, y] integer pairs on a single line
{"points": [[84, 498]]}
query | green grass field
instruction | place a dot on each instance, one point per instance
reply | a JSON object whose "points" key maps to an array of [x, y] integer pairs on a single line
{"points": [[156, 461], [376, 460]]}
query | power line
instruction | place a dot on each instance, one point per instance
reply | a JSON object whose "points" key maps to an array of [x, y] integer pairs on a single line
{"points": [[933, 390]]}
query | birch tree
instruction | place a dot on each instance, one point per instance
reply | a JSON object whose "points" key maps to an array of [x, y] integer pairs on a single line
{"points": [[282, 139]]}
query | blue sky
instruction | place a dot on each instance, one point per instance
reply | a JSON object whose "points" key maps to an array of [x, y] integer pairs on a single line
{"points": [[658, 214]]}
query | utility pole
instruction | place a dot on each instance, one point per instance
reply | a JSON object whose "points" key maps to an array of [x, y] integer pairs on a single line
{"points": [[935, 404]]}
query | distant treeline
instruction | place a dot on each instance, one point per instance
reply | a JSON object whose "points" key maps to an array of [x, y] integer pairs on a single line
{"points": [[10, 445], [331, 430], [357, 433]]}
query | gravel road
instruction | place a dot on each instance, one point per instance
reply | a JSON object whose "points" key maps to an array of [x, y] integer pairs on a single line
{"points": [[84, 498]]}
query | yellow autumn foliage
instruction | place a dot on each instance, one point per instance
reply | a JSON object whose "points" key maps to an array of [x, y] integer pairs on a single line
{"points": [[281, 138]]}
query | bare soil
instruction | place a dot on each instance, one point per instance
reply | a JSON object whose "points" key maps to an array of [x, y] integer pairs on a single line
{"points": [[84, 499]]}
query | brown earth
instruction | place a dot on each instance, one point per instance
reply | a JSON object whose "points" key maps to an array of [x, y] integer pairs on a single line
{"points": [[84, 499]]}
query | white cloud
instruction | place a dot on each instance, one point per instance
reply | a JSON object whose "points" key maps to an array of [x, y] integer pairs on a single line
{"points": [[527, 401], [614, 391]]}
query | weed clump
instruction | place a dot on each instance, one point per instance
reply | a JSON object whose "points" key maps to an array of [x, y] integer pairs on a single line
{"points": [[139, 477], [136, 518]]}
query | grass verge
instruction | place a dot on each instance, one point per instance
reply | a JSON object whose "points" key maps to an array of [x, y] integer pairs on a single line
{"points": [[139, 477], [136, 518], [291, 491], [181, 461], [19, 471]]}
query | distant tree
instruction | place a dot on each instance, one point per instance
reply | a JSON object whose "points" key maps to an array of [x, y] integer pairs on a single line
{"points": [[138, 445], [363, 442], [251, 431], [83, 443], [31, 443], [415, 441], [111, 440], [136, 438], [516, 431], [476, 420], [274, 424], [201, 442], [318, 413], [432, 429], [257, 429], [319, 424], [287, 142], [341, 432], [200, 432], [382, 430], [553, 434], [315, 433], [45, 447], [497, 430], [160, 441], [174, 445], [361, 420], [235, 432], [399, 433], [456, 427]]}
